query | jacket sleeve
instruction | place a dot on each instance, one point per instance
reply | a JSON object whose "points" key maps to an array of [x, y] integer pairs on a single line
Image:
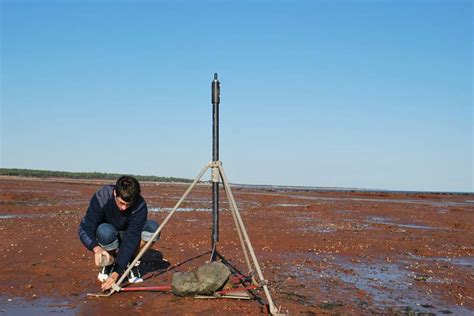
{"points": [[131, 238], [90, 222]]}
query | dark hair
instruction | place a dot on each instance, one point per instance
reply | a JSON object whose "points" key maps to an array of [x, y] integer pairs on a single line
{"points": [[128, 189]]}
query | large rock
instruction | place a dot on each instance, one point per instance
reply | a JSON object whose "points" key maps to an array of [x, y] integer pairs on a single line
{"points": [[212, 277], [204, 281], [185, 283]]}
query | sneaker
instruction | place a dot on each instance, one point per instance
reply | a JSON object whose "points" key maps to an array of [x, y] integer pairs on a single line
{"points": [[104, 273], [134, 276]]}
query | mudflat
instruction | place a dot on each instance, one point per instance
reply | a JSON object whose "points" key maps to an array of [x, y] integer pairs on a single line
{"points": [[322, 252]]}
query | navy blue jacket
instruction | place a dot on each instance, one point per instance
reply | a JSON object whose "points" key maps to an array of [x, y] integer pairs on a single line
{"points": [[103, 209]]}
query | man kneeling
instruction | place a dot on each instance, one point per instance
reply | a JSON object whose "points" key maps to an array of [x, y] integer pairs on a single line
{"points": [[115, 227]]}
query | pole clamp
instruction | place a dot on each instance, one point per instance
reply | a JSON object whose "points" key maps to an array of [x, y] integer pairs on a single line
{"points": [[116, 288], [214, 164], [263, 283], [215, 175]]}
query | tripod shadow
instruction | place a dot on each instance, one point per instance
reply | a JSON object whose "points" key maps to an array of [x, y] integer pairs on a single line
{"points": [[231, 267], [165, 265], [154, 265], [244, 281]]}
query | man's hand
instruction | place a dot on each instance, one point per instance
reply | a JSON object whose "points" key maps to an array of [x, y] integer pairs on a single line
{"points": [[113, 277], [102, 257]]}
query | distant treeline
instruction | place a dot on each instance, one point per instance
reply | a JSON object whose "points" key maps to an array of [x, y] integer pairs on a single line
{"points": [[81, 175]]}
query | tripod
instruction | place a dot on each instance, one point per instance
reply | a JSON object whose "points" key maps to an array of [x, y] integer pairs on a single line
{"points": [[217, 175]]}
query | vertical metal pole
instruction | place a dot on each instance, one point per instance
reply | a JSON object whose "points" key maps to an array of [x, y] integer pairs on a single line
{"points": [[215, 158]]}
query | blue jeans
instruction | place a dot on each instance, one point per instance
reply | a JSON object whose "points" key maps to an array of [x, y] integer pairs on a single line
{"points": [[109, 237]]}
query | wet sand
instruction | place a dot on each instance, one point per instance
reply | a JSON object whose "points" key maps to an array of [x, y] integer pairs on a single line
{"points": [[322, 252]]}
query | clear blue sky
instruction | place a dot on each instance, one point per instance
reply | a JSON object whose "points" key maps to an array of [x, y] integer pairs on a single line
{"points": [[366, 94]]}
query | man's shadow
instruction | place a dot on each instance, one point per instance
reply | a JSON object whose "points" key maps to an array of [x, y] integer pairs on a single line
{"points": [[152, 261]]}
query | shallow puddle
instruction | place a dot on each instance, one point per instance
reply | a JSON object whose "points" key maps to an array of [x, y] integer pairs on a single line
{"points": [[319, 229], [19, 216], [8, 216], [41, 306], [385, 221], [458, 261], [391, 285], [343, 212], [181, 209], [402, 201]]}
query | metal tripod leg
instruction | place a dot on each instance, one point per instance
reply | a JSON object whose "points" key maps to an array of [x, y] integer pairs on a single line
{"points": [[272, 306], [233, 208], [148, 244]]}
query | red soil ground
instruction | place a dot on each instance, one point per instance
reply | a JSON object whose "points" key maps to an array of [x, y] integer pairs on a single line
{"points": [[321, 252]]}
